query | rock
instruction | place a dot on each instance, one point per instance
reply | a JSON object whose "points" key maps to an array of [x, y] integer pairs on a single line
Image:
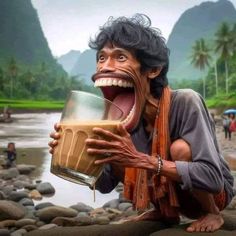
{"points": [[2, 195], [49, 213], [30, 227], [35, 194], [229, 219], [19, 232], [7, 223], [19, 184], [48, 226], [7, 189], [45, 188], [232, 205], [65, 221], [96, 212], [25, 169], [9, 173], [112, 204], [81, 207], [11, 210], [17, 196], [26, 202], [124, 206], [30, 186], [4, 232], [22, 222], [43, 205], [101, 220]]}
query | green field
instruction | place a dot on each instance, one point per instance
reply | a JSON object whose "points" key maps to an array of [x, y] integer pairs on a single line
{"points": [[31, 105]]}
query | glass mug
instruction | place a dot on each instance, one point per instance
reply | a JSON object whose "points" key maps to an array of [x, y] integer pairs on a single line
{"points": [[82, 112]]}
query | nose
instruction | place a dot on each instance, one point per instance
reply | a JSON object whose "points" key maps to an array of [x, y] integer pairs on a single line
{"points": [[107, 66]]}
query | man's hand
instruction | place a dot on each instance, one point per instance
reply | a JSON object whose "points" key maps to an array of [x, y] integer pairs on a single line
{"points": [[55, 136], [119, 150]]}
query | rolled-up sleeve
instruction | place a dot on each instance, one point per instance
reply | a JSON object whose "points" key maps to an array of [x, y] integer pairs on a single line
{"points": [[193, 124]]}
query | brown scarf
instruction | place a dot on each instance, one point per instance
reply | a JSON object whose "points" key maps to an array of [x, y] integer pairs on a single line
{"points": [[137, 184]]}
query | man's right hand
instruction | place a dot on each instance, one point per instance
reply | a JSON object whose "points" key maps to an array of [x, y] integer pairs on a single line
{"points": [[55, 135]]}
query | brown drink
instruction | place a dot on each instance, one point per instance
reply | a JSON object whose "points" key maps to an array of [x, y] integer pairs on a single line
{"points": [[70, 159]]}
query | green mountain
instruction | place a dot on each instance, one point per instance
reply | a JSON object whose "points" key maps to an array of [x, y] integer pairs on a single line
{"points": [[21, 36], [68, 60], [198, 22], [85, 66]]}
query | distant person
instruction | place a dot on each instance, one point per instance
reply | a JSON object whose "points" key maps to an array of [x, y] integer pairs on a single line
{"points": [[11, 155], [232, 127], [226, 124]]}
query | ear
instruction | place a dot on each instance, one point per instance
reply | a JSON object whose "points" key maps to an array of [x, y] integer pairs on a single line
{"points": [[154, 72]]}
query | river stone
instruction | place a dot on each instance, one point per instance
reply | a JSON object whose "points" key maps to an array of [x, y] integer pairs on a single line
{"points": [[25, 169], [112, 203], [229, 219], [30, 186], [26, 202], [7, 223], [232, 205], [9, 173], [45, 188], [47, 226], [8, 189], [22, 222], [17, 195], [35, 194], [97, 212], [4, 232], [101, 220], [11, 210], [2, 195], [81, 207], [49, 213], [30, 227], [65, 221], [19, 232], [43, 205], [124, 206]]}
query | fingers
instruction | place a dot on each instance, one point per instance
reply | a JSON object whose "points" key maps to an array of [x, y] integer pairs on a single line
{"points": [[100, 143], [55, 135], [106, 133], [94, 151], [57, 127], [122, 131]]}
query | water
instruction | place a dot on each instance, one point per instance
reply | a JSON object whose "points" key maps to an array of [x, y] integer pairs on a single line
{"points": [[30, 132]]}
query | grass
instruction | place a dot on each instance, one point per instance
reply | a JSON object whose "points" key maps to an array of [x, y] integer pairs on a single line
{"points": [[31, 104]]}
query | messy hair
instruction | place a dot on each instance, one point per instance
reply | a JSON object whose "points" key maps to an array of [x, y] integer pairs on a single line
{"points": [[136, 34]]}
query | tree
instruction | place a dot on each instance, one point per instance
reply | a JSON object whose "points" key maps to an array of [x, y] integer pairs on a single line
{"points": [[224, 43], [200, 58], [12, 70]]}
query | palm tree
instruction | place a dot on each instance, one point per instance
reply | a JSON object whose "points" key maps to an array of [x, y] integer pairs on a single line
{"points": [[223, 44], [200, 58]]}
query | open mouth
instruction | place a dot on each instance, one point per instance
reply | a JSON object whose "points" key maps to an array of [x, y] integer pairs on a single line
{"points": [[121, 92]]}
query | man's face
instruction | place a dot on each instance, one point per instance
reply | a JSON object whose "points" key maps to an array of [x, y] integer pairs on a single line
{"points": [[121, 81]]}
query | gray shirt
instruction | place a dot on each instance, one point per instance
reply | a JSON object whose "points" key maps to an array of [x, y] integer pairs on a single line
{"points": [[190, 121]]}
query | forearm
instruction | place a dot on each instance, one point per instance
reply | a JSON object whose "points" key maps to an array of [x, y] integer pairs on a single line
{"points": [[168, 168]]}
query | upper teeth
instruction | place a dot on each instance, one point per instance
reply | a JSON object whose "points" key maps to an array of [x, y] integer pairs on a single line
{"points": [[109, 82]]}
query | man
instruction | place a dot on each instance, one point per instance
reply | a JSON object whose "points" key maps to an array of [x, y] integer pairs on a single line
{"points": [[166, 150]]}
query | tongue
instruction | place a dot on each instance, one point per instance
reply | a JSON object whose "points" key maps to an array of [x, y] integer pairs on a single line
{"points": [[125, 102]]}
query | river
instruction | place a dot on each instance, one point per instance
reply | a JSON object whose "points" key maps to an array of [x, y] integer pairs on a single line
{"points": [[30, 132]]}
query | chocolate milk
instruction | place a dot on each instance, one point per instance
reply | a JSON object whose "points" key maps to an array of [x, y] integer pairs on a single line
{"points": [[70, 159]]}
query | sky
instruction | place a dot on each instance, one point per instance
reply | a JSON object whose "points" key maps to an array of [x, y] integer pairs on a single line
{"points": [[68, 24]]}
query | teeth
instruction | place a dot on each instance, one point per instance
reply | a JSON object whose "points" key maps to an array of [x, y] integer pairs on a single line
{"points": [[129, 116], [109, 82]]}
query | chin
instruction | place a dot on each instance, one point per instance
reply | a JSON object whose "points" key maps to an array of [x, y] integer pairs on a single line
{"points": [[123, 93]]}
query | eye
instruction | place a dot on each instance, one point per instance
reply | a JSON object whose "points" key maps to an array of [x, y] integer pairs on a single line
{"points": [[122, 57], [101, 58]]}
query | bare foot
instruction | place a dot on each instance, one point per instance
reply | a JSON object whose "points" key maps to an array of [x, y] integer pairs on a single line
{"points": [[207, 223]]}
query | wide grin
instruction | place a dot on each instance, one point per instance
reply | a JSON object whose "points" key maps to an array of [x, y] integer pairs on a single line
{"points": [[122, 93]]}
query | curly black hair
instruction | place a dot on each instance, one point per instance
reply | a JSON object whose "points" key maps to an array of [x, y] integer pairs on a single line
{"points": [[137, 34]]}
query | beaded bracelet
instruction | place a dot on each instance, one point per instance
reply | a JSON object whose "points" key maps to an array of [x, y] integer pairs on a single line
{"points": [[160, 164]]}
